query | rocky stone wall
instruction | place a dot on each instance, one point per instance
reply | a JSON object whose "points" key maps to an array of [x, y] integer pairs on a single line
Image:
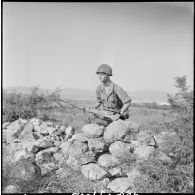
{"points": [[108, 154]]}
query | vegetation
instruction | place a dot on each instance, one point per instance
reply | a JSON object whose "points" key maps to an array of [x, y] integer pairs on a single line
{"points": [[178, 118], [177, 177]]}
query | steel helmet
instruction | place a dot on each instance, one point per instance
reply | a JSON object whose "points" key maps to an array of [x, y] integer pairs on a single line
{"points": [[104, 68]]}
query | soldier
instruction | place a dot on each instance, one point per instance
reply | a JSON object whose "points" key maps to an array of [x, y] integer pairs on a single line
{"points": [[110, 96]]}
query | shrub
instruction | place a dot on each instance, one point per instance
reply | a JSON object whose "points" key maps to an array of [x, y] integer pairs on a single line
{"points": [[178, 176], [29, 105], [159, 178]]}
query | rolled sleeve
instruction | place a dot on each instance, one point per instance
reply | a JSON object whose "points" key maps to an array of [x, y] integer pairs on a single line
{"points": [[122, 94]]}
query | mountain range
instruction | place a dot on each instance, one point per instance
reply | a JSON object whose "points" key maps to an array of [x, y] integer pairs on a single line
{"points": [[82, 94]]}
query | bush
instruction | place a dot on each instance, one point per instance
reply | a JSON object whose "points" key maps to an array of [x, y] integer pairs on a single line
{"points": [[159, 178], [49, 107], [177, 177], [26, 106]]}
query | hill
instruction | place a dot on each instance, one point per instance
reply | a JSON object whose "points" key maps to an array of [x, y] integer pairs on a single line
{"points": [[82, 94]]}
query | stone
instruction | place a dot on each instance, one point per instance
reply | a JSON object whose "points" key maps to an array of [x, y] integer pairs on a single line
{"points": [[65, 148], [56, 138], [49, 124], [120, 150], [27, 133], [69, 132], [14, 130], [44, 128], [57, 126], [62, 138], [97, 145], [146, 138], [108, 160], [29, 145], [57, 132], [24, 121], [48, 167], [165, 137], [57, 143], [27, 171], [44, 142], [62, 128], [164, 158], [129, 137], [16, 141], [77, 148], [80, 137], [171, 154], [118, 130], [35, 121], [120, 185], [93, 130], [9, 152], [136, 143], [116, 171], [133, 173], [87, 158], [4, 136], [37, 128], [143, 152], [45, 155], [5, 125], [37, 135], [74, 163], [93, 171], [50, 130], [130, 147], [23, 154], [12, 189], [51, 150], [58, 156], [105, 182]]}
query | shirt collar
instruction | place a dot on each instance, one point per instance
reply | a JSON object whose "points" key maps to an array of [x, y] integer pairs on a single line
{"points": [[110, 89]]}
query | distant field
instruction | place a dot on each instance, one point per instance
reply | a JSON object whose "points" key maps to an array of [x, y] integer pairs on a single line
{"points": [[148, 117]]}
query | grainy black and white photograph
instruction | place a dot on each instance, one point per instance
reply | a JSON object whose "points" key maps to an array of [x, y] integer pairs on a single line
{"points": [[97, 97]]}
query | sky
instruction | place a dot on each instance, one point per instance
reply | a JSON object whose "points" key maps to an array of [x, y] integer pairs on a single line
{"points": [[62, 44]]}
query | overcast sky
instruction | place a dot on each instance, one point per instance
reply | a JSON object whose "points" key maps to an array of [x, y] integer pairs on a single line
{"points": [[62, 44]]}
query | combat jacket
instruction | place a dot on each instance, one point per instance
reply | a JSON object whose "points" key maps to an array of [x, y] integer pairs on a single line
{"points": [[114, 98]]}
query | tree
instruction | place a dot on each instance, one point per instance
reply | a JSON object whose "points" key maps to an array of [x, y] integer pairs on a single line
{"points": [[181, 102], [180, 83]]}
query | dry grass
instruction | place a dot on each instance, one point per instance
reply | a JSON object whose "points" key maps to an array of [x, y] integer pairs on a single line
{"points": [[147, 117]]}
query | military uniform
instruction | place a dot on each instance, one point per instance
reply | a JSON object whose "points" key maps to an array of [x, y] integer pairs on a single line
{"points": [[111, 97]]}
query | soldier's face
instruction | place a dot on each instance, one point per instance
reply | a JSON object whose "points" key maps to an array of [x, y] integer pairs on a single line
{"points": [[103, 77]]}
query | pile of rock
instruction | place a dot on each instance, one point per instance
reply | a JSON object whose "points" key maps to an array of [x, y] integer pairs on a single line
{"points": [[99, 153], [34, 141]]}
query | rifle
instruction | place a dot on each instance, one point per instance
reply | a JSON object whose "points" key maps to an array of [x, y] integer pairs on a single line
{"points": [[103, 114]]}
